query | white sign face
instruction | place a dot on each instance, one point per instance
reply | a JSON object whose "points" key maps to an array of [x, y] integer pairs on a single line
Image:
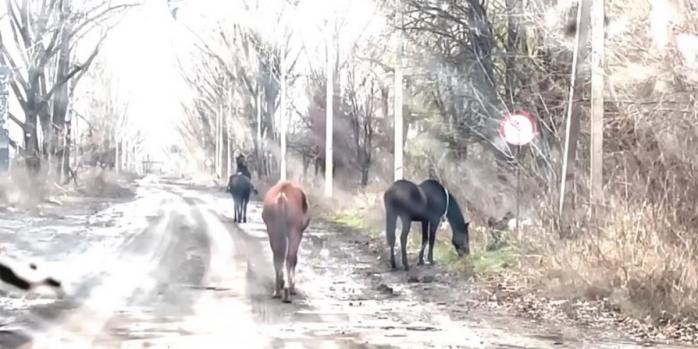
{"points": [[517, 129]]}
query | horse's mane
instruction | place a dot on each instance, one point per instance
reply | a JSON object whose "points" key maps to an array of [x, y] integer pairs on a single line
{"points": [[455, 215]]}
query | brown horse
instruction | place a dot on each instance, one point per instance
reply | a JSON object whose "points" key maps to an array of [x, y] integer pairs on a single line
{"points": [[286, 216]]}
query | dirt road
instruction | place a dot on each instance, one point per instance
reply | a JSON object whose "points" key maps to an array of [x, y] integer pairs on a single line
{"points": [[177, 273]]}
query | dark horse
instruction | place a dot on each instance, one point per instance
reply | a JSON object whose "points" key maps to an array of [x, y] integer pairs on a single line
{"points": [[286, 216], [240, 187], [428, 203]]}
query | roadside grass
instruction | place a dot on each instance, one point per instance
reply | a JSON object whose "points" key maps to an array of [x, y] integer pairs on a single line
{"points": [[634, 265], [480, 263]]}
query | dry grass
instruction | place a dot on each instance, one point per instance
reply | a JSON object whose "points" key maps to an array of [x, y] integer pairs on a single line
{"points": [[629, 259]]}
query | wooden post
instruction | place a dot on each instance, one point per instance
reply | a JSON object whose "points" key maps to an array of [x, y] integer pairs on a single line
{"points": [[329, 117], [597, 109], [573, 110], [398, 125]]}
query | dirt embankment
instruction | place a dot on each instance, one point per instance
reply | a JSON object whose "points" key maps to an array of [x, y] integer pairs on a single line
{"points": [[18, 192]]}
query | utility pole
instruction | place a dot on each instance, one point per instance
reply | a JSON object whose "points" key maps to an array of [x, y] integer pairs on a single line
{"points": [[221, 145], [398, 124], [117, 156], [282, 118], [225, 131], [217, 160], [5, 76], [597, 109], [260, 152], [573, 110], [329, 119]]}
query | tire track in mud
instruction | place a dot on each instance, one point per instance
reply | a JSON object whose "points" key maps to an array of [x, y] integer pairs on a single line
{"points": [[298, 324], [177, 279], [145, 261], [205, 284], [98, 299], [350, 294]]}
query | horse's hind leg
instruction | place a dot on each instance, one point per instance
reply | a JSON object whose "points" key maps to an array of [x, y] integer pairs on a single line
{"points": [[432, 238], [279, 274], [292, 261], [238, 209], [425, 238], [390, 222], [244, 210], [235, 210], [406, 222]]}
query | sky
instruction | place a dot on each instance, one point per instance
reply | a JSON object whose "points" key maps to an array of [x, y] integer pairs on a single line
{"points": [[141, 51], [144, 50]]}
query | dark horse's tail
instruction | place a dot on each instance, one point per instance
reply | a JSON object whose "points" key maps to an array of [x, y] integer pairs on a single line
{"points": [[390, 216]]}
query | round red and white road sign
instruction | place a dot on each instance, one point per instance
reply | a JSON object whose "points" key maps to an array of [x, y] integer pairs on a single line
{"points": [[518, 128]]}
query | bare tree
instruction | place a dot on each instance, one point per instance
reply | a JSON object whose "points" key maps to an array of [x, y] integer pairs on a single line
{"points": [[362, 99], [42, 51], [242, 57]]}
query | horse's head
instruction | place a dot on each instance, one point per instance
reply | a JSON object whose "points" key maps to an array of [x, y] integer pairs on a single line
{"points": [[461, 236], [461, 240]]}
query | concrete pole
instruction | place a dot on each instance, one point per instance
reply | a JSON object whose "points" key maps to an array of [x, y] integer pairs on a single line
{"points": [[260, 152], [329, 117], [573, 112], [398, 127], [597, 109], [282, 118]]}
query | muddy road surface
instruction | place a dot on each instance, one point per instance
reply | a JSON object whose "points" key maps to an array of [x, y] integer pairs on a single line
{"points": [[176, 272]]}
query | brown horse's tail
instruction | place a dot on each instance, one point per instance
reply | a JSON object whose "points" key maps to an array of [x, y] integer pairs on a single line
{"points": [[281, 217]]}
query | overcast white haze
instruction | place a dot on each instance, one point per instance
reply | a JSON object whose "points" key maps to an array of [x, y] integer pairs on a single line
{"points": [[144, 49], [142, 52]]}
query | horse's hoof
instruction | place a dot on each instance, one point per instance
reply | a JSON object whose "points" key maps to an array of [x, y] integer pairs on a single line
{"points": [[287, 296], [293, 292], [420, 263], [275, 296]]}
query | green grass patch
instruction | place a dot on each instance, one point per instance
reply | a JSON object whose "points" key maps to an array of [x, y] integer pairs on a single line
{"points": [[487, 262], [352, 220], [480, 262]]}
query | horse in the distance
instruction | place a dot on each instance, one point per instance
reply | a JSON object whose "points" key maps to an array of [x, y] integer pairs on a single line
{"points": [[428, 203], [286, 216], [240, 187]]}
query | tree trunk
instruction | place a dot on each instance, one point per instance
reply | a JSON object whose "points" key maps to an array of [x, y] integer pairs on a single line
{"points": [[66, 153], [513, 39], [31, 139], [56, 122], [365, 167]]}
